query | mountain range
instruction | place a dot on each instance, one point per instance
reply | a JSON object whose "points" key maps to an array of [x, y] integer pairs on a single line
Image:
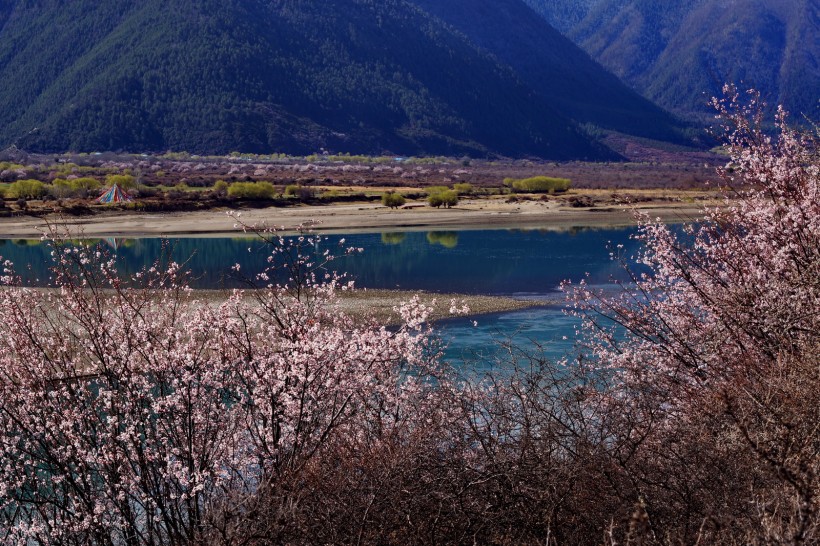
{"points": [[482, 78], [552, 65], [679, 53]]}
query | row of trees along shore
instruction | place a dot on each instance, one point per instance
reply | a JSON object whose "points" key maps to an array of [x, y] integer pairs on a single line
{"points": [[133, 411]]}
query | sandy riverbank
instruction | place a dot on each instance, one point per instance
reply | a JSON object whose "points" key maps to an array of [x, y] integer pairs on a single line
{"points": [[469, 214]]}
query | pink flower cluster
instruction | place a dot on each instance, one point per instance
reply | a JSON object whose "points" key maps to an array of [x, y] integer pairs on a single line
{"points": [[738, 289], [135, 411]]}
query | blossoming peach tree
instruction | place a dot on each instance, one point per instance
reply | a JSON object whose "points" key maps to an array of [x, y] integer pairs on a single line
{"points": [[719, 334], [739, 286], [136, 411]]}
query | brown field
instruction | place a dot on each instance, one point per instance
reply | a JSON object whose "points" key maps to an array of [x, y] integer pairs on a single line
{"points": [[175, 194]]}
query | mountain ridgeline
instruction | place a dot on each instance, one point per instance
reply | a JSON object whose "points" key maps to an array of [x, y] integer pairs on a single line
{"points": [[679, 53], [294, 76]]}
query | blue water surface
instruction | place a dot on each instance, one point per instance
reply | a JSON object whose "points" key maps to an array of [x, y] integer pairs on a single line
{"points": [[495, 262], [527, 264]]}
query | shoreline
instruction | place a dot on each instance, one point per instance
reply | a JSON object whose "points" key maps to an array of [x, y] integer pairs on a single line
{"points": [[349, 218]]}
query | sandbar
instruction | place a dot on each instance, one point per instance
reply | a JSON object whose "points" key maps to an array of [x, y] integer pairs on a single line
{"points": [[380, 304]]}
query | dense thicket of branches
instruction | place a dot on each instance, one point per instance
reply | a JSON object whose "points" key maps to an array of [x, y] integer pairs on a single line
{"points": [[717, 371], [145, 416]]}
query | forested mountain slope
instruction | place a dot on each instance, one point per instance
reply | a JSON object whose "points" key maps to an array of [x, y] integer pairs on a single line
{"points": [[564, 15], [213, 76], [552, 65], [680, 52]]}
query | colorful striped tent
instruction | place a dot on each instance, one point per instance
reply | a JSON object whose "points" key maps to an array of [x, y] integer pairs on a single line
{"points": [[114, 194], [114, 242]]}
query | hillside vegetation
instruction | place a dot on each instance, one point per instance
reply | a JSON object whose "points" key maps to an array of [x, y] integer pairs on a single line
{"points": [[555, 68], [681, 52], [254, 76]]}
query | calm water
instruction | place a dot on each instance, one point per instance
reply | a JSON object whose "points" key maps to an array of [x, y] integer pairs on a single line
{"points": [[520, 263], [505, 262]]}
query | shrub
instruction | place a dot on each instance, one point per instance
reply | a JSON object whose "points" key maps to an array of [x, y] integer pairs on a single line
{"points": [[27, 189], [463, 188], [305, 193], [393, 200], [124, 181], [8, 176], [252, 190], [447, 199], [221, 187], [8, 166], [60, 188], [144, 191], [540, 184], [77, 187], [176, 195], [717, 348], [302, 193], [86, 183], [66, 169]]}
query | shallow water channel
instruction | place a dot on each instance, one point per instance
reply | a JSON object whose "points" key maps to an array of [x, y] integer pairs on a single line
{"points": [[527, 264]]}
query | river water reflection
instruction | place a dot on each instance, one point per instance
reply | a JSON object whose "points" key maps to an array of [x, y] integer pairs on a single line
{"points": [[519, 263], [499, 262]]}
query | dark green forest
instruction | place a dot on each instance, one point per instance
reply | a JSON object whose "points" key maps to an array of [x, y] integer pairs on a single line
{"points": [[551, 64], [360, 76], [481, 79]]}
